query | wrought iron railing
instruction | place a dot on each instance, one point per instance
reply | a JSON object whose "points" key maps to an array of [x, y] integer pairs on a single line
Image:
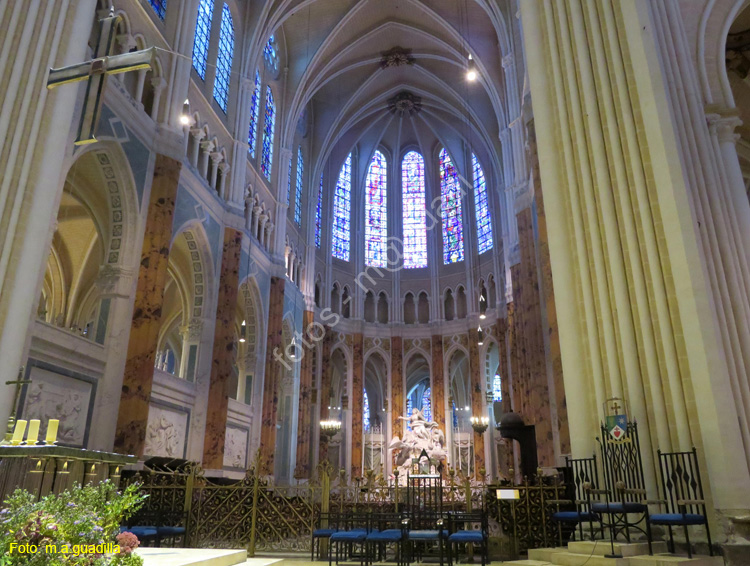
{"points": [[259, 516]]}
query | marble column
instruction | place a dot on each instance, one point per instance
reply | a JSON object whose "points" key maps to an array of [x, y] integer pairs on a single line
{"points": [[551, 333], [144, 334], [325, 391], [276, 362], [477, 401], [533, 399], [397, 386], [357, 402], [437, 383], [304, 421], [223, 352], [505, 450]]}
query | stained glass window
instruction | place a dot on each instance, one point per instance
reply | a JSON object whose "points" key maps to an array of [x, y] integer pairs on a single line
{"points": [[160, 7], [484, 221], [342, 207], [366, 412], [414, 211], [376, 213], [450, 191], [268, 128], [202, 37], [455, 416], [252, 133], [298, 188], [224, 59], [271, 54], [408, 411], [426, 405], [289, 184], [319, 213], [497, 388]]}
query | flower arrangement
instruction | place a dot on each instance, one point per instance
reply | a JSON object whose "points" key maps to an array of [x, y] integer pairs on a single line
{"points": [[78, 527]]}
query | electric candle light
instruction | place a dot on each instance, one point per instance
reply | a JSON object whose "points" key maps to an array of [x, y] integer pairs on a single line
{"points": [[33, 431], [52, 431], [18, 432]]}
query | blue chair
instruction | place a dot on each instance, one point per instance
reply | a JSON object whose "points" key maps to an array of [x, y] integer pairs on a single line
{"points": [[576, 511], [423, 529], [324, 525], [352, 531], [474, 530], [683, 497], [385, 529]]}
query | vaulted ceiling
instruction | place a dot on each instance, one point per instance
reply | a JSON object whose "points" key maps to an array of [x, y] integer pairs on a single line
{"points": [[341, 77]]}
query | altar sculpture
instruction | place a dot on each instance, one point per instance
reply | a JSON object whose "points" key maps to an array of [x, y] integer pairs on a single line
{"points": [[424, 435]]}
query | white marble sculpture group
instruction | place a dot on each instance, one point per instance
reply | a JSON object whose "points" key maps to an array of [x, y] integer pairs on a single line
{"points": [[421, 435]]}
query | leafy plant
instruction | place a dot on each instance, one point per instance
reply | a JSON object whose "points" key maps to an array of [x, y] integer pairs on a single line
{"points": [[72, 528]]}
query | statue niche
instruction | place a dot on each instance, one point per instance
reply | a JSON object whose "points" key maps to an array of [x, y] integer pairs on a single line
{"points": [[423, 436]]}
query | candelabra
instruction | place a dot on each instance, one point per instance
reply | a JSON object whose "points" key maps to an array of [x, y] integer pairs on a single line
{"points": [[480, 424], [329, 428]]}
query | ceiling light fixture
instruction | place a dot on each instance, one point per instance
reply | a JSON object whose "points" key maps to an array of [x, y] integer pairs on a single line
{"points": [[185, 116], [471, 72]]}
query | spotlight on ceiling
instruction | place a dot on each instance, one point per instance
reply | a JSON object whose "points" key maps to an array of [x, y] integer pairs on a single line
{"points": [[185, 116], [471, 72]]}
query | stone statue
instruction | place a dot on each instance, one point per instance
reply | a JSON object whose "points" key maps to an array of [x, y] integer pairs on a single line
{"points": [[424, 435]]}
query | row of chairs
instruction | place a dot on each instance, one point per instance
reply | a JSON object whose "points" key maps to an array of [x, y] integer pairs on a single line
{"points": [[158, 528], [368, 535], [683, 500]]}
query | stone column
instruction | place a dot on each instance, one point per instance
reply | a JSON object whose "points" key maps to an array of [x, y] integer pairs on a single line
{"points": [[115, 283], [216, 158], [550, 331], [640, 287], [197, 134], [477, 401], [396, 397], [358, 392], [139, 86], [504, 452], [223, 352], [276, 363], [144, 334], [158, 84], [304, 421], [225, 186], [325, 391], [206, 147], [34, 130], [437, 385], [191, 336]]}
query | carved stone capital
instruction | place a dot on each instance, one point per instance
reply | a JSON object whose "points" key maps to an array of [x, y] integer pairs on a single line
{"points": [[723, 127], [198, 134], [207, 146], [523, 196], [158, 83], [508, 61], [113, 280], [216, 156], [193, 330]]}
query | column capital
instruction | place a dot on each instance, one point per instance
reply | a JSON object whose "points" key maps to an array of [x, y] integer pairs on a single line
{"points": [[198, 133], [114, 280], [192, 331], [523, 196], [723, 126], [508, 60], [158, 83], [216, 156]]}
